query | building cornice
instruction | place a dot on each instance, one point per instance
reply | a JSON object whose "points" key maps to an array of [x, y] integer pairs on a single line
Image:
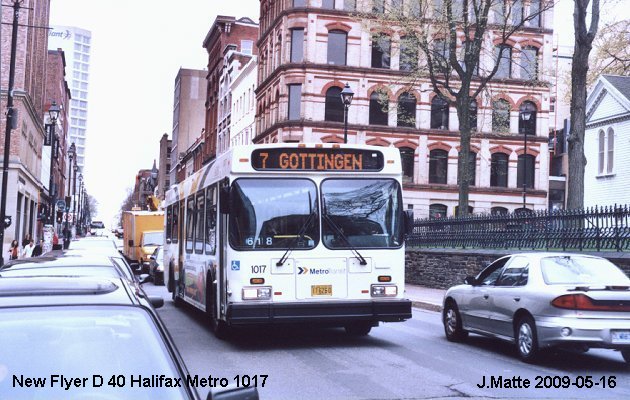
{"points": [[609, 121], [475, 190]]}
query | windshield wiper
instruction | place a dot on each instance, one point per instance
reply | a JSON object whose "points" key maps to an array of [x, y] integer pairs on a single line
{"points": [[299, 238], [342, 235]]}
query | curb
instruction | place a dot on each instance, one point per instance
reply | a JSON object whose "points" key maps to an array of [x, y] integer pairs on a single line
{"points": [[427, 306]]}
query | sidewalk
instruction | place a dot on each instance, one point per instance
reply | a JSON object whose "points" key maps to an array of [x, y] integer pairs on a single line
{"points": [[423, 297]]}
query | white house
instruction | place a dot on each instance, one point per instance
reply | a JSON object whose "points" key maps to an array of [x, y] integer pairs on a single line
{"points": [[607, 142]]}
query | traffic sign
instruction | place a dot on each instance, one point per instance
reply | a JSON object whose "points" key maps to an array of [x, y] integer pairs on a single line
{"points": [[61, 204]]}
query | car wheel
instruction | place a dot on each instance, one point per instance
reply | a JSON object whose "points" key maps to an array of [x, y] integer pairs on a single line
{"points": [[359, 328], [626, 355], [526, 339], [453, 323]]}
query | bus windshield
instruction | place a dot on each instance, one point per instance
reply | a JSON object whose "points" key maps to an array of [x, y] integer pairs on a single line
{"points": [[274, 214], [361, 213]]}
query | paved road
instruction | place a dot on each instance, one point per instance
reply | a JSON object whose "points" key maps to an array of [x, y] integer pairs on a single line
{"points": [[409, 360]]}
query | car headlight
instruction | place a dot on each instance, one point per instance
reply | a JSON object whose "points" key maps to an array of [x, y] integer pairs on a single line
{"points": [[257, 293], [384, 290]]}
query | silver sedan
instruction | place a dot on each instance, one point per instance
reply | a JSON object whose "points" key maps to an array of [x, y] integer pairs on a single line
{"points": [[540, 300]]}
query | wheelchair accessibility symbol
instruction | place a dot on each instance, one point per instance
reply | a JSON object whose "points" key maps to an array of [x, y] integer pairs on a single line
{"points": [[236, 265]]}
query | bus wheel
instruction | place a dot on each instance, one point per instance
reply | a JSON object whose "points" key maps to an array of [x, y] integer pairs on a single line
{"points": [[359, 328], [220, 328]]}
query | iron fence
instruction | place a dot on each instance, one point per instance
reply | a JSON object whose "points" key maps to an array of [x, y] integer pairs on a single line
{"points": [[596, 228]]}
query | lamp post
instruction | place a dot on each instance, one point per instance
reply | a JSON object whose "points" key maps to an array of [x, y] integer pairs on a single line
{"points": [[75, 168], [53, 113], [525, 116], [79, 228], [346, 98], [66, 231], [11, 123]]}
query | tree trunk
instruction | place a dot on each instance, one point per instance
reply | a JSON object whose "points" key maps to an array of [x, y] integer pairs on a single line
{"points": [[463, 161]]}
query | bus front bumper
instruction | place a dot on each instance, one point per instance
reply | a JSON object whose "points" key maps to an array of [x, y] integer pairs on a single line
{"points": [[331, 312]]}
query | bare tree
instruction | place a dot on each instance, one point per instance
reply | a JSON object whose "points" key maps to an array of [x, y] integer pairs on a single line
{"points": [[126, 205], [455, 36], [584, 37], [611, 52]]}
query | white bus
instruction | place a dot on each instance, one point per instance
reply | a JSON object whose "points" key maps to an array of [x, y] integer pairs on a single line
{"points": [[291, 233]]}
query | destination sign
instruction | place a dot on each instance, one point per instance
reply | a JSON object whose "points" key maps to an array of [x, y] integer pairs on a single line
{"points": [[317, 159]]}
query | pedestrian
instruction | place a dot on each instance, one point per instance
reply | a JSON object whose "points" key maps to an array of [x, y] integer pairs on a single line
{"points": [[28, 249], [26, 240], [66, 238], [37, 250], [13, 250]]}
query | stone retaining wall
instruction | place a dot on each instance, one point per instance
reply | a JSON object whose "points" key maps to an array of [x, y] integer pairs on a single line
{"points": [[443, 268]]}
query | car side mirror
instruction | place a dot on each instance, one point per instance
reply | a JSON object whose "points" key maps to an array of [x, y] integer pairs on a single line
{"points": [[144, 278], [408, 222], [233, 393], [470, 280]]}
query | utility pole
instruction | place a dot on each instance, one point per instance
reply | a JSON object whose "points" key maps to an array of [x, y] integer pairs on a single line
{"points": [[11, 123]]}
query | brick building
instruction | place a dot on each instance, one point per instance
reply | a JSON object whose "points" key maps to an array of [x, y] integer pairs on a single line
{"points": [[25, 159], [164, 178], [308, 50], [226, 31]]}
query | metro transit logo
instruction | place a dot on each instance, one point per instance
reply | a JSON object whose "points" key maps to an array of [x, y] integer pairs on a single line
{"points": [[320, 271]]}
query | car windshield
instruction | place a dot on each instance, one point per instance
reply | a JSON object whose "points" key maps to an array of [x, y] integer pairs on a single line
{"points": [[97, 225], [153, 239], [579, 270], [274, 214], [93, 343], [361, 213]]}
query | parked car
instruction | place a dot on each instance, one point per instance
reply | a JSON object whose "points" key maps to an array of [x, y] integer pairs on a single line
{"points": [[97, 228], [541, 300], [156, 266]]}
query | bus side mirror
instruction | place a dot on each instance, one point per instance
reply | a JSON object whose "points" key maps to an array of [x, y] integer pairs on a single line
{"points": [[408, 222], [224, 199]]}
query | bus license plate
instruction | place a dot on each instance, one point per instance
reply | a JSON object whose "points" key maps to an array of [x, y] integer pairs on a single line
{"points": [[621, 337], [321, 290]]}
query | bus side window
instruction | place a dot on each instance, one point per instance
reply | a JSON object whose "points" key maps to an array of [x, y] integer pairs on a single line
{"points": [[190, 223], [175, 223], [199, 222], [169, 223], [211, 219]]}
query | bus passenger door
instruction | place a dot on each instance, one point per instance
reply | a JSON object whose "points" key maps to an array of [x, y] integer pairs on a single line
{"points": [[222, 246], [180, 246]]}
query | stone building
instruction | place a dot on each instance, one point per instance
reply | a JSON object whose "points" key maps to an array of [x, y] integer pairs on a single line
{"points": [[308, 50]]}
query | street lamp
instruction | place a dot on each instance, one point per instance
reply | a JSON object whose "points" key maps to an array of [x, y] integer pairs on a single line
{"points": [[79, 228], [75, 168], [525, 116], [66, 231], [346, 98], [53, 113]]}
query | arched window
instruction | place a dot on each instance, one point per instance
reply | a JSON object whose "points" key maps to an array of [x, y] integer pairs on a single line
{"points": [[527, 118], [602, 154], [437, 211], [408, 53], [611, 150], [439, 113], [472, 115], [334, 105], [438, 166], [503, 55], [498, 211], [381, 48], [499, 170], [529, 63], [379, 107], [407, 155], [337, 41], [407, 110], [500, 116], [525, 171]]}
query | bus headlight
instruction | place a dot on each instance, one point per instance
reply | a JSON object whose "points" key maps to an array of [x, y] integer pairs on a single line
{"points": [[257, 293], [384, 290]]}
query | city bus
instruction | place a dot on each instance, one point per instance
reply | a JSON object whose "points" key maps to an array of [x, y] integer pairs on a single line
{"points": [[291, 233]]}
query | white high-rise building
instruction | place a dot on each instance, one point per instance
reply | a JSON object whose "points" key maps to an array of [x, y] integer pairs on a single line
{"points": [[77, 44]]}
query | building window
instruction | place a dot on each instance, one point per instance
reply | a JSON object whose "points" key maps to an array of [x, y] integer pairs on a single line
{"points": [[438, 166], [295, 100], [378, 6], [247, 47], [525, 170], [472, 115], [499, 170], [337, 41], [381, 45], [437, 211], [500, 116], [299, 3], [330, 4], [472, 168], [503, 55], [334, 106], [297, 45], [534, 10], [611, 150], [379, 109], [439, 113], [527, 118], [408, 53], [499, 211], [407, 110], [350, 5], [441, 55], [529, 63], [602, 153], [407, 155]]}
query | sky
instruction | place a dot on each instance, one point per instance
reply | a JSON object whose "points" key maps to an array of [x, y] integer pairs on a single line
{"points": [[137, 48]]}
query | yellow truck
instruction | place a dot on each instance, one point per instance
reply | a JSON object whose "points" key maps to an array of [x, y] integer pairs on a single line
{"points": [[143, 232]]}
